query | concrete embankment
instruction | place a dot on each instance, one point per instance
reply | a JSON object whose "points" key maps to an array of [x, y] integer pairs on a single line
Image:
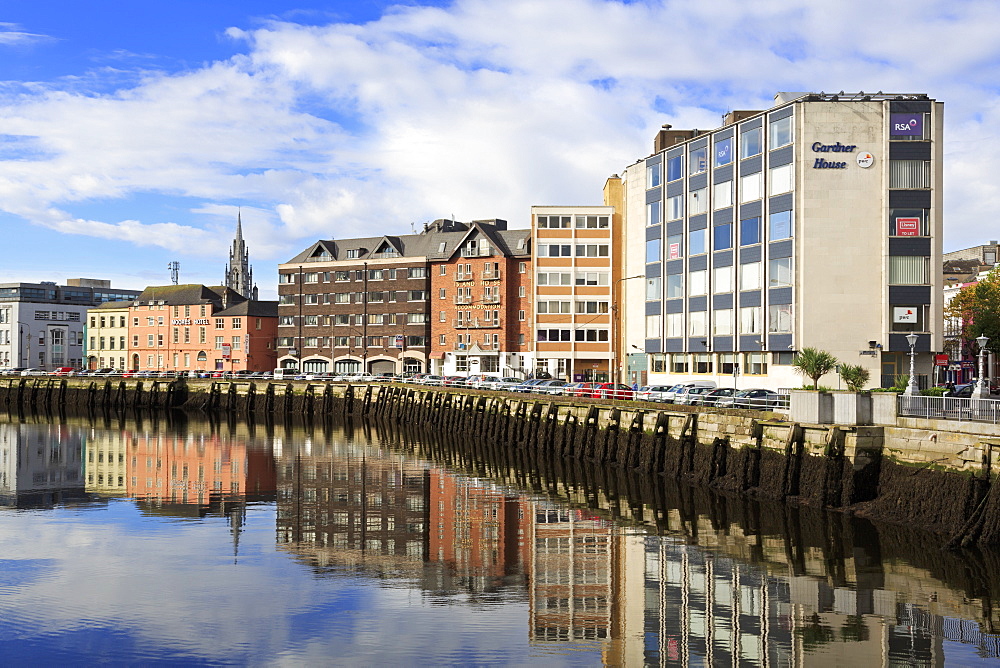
{"points": [[757, 454]]}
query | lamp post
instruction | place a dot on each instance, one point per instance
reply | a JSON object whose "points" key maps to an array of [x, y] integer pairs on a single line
{"points": [[617, 370], [911, 386], [982, 390]]}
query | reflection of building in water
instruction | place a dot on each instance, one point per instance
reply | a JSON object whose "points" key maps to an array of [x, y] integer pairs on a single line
{"points": [[477, 532], [105, 466], [343, 503], [189, 474], [40, 464], [571, 589]]}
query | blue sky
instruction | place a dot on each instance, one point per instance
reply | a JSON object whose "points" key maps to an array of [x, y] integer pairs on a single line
{"points": [[131, 133]]}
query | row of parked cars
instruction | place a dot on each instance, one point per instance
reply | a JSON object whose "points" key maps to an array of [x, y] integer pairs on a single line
{"points": [[707, 394]]}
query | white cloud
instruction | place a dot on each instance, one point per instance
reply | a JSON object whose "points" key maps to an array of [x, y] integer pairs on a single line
{"points": [[12, 35], [479, 109]]}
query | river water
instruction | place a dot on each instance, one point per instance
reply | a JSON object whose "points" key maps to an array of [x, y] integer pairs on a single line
{"points": [[184, 541]]}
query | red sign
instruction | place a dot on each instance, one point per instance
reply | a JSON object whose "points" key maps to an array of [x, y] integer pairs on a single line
{"points": [[940, 360], [674, 251], [907, 227], [226, 350]]}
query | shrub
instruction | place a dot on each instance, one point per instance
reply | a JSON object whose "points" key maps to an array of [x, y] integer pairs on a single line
{"points": [[814, 364], [855, 375]]}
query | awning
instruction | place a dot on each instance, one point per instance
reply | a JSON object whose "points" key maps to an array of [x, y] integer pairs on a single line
{"points": [[436, 356]]}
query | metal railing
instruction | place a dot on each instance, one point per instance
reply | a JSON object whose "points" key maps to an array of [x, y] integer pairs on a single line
{"points": [[949, 408]]}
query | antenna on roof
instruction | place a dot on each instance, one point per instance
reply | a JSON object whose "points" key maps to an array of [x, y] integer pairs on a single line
{"points": [[413, 227], [175, 270]]}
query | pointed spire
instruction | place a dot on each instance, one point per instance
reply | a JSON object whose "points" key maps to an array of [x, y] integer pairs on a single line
{"points": [[239, 275]]}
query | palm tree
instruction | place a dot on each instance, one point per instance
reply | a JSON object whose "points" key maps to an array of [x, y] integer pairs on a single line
{"points": [[855, 375], [814, 364]]}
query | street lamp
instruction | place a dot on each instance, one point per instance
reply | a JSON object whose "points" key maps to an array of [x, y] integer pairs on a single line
{"points": [[911, 386], [615, 335], [981, 390]]}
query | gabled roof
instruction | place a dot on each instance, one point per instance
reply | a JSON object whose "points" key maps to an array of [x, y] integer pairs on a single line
{"points": [[191, 293], [252, 308]]}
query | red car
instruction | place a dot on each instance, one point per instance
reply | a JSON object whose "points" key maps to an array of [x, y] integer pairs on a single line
{"points": [[584, 390], [612, 391]]}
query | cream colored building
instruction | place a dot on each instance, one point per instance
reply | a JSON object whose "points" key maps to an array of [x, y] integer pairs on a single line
{"points": [[573, 250], [816, 223], [107, 337]]}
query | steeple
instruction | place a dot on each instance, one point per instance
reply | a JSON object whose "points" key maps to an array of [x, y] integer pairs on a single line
{"points": [[239, 274]]}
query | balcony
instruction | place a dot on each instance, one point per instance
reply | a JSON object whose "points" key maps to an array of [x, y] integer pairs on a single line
{"points": [[463, 301], [491, 299], [476, 323], [491, 275], [466, 347], [463, 276]]}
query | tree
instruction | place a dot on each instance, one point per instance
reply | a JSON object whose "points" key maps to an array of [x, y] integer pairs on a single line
{"points": [[855, 375], [975, 311], [814, 364]]}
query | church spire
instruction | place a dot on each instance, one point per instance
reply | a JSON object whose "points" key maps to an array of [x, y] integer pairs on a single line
{"points": [[239, 274]]}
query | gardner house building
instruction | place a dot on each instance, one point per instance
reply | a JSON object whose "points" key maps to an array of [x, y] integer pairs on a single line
{"points": [[815, 223]]}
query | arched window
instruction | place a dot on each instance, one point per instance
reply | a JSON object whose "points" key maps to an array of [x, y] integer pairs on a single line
{"points": [[202, 357]]}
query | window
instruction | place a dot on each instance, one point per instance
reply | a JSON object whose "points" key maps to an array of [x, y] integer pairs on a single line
{"points": [[374, 274], [722, 195], [750, 143], [311, 277], [699, 160], [591, 335], [722, 237], [698, 323], [675, 207], [520, 316], [727, 363], [553, 307], [520, 291], [374, 296], [341, 275], [698, 283], [653, 173], [353, 253], [780, 272], [237, 323], [675, 168], [237, 340], [553, 222], [781, 179], [750, 320], [908, 223], [722, 279], [780, 133], [908, 270], [373, 319], [592, 222], [554, 278], [311, 300], [418, 295], [653, 288], [723, 151], [342, 298], [591, 307], [416, 272], [751, 187], [219, 341], [555, 250], [680, 363], [674, 247], [779, 318], [522, 267], [592, 278], [675, 286], [722, 322], [756, 364], [286, 278], [652, 326], [653, 250], [591, 250], [699, 202], [909, 174], [909, 318], [653, 213], [781, 225], [675, 325], [220, 323], [697, 242], [750, 278], [750, 231], [443, 270]]}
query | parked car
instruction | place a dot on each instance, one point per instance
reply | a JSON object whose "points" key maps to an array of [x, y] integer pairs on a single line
{"points": [[652, 393], [584, 390], [712, 397], [431, 379], [16, 371], [670, 396], [454, 381], [31, 371], [963, 391], [759, 399], [612, 391], [527, 385], [501, 383], [569, 389], [691, 396], [553, 386]]}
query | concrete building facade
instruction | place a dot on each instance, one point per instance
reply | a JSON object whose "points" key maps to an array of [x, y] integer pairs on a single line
{"points": [[816, 223]]}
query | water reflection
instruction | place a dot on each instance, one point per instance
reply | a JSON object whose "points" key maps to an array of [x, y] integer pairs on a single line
{"points": [[596, 565]]}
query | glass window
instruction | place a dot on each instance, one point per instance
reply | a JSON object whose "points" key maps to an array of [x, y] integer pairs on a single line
{"points": [[909, 318], [675, 325], [697, 242], [780, 133], [653, 288], [909, 174], [722, 237], [781, 225], [750, 187], [908, 223], [779, 318], [698, 283], [907, 270], [653, 250], [653, 213], [675, 286], [699, 202], [723, 152], [756, 364], [780, 272], [698, 323], [722, 195], [653, 175], [679, 363], [675, 168], [722, 279], [722, 322], [674, 247], [750, 276], [750, 143], [781, 179], [750, 231], [652, 326], [750, 320], [675, 207], [699, 160]]}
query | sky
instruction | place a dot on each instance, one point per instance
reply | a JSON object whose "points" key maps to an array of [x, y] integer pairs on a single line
{"points": [[132, 134]]}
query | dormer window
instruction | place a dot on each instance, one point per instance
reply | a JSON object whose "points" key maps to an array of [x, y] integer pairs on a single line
{"points": [[353, 253]]}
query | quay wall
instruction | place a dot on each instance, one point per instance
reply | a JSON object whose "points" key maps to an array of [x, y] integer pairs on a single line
{"points": [[918, 474]]}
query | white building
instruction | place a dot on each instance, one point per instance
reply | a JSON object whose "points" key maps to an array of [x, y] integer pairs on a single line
{"points": [[816, 223]]}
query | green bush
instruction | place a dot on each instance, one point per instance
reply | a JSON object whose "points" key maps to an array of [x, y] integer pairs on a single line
{"points": [[855, 375], [934, 391]]}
